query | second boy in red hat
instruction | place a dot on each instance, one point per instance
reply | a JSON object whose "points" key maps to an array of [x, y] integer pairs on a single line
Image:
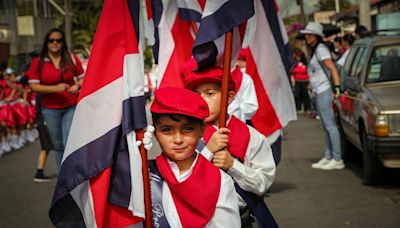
{"points": [[247, 157]]}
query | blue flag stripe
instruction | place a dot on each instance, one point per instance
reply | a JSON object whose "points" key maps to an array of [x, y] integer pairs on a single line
{"points": [[228, 16]]}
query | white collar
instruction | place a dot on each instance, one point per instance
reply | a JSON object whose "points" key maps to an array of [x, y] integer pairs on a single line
{"points": [[182, 177]]}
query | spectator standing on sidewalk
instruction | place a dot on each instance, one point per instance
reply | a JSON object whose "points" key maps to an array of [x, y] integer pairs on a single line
{"points": [[300, 82], [322, 71], [57, 75]]}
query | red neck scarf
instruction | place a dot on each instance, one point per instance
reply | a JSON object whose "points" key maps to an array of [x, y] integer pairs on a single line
{"points": [[196, 197], [237, 77], [239, 137]]}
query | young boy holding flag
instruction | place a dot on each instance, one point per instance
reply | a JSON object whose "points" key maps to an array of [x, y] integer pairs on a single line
{"points": [[187, 190], [239, 149]]}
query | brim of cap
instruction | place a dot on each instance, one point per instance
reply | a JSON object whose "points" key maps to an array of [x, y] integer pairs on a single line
{"points": [[192, 84], [306, 31], [176, 112]]}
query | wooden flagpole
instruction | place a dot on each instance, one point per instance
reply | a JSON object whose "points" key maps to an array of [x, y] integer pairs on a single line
{"points": [[148, 222], [225, 79]]}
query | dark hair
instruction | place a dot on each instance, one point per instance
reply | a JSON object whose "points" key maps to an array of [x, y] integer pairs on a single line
{"points": [[66, 61], [349, 39], [361, 30], [192, 120], [338, 39], [319, 41], [300, 53]]}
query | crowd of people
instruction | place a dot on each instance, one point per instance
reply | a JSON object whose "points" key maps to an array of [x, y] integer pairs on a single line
{"points": [[17, 112]]}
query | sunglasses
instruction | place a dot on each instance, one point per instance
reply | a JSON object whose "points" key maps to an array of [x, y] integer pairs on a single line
{"points": [[54, 40]]}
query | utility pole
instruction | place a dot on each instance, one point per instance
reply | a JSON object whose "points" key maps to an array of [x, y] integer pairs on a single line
{"points": [[68, 22], [364, 14], [302, 15]]}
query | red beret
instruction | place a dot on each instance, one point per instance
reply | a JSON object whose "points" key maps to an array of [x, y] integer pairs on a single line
{"points": [[243, 54], [208, 75], [169, 100]]}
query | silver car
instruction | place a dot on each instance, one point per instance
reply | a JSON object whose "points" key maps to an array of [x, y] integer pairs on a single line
{"points": [[368, 111]]}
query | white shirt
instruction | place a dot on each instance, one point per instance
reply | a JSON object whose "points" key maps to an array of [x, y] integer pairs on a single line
{"points": [[245, 104], [318, 79], [227, 211], [343, 58], [257, 173]]}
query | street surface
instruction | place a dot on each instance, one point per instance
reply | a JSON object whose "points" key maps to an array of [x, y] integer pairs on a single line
{"points": [[300, 197]]}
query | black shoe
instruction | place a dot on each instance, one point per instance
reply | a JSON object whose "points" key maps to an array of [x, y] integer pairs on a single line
{"points": [[41, 178]]}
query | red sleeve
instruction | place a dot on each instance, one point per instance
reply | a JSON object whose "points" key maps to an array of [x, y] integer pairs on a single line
{"points": [[79, 72], [33, 72]]}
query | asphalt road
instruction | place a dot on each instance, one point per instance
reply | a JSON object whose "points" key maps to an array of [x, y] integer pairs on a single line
{"points": [[300, 197]]}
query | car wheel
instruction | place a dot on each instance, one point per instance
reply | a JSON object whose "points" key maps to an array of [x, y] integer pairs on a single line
{"points": [[371, 165]]}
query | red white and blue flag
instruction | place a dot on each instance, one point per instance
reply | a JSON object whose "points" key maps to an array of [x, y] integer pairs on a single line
{"points": [[268, 63], [174, 37], [218, 18], [100, 182]]}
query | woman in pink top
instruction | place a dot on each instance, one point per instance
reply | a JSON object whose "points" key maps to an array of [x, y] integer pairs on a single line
{"points": [[300, 81]]}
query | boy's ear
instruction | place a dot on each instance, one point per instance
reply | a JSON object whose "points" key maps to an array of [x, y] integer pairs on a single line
{"points": [[231, 96]]}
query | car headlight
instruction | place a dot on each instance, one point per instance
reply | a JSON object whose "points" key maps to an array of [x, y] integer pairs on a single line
{"points": [[382, 125]]}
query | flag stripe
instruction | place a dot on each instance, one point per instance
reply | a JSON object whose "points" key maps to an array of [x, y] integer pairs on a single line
{"points": [[273, 19], [157, 8], [216, 24], [110, 108], [267, 64], [189, 14]]}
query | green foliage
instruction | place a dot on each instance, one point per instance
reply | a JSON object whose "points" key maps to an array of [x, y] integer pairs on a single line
{"points": [[325, 5], [85, 19], [148, 55]]}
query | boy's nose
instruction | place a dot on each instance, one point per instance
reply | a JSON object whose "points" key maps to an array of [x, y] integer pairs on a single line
{"points": [[178, 138]]}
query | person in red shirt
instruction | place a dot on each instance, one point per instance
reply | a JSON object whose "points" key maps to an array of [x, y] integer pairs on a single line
{"points": [[57, 75], [300, 82]]}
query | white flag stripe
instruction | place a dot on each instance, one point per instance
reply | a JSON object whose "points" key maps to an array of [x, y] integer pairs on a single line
{"points": [[212, 6], [93, 117], [136, 204], [133, 75], [189, 4], [83, 198], [167, 43]]}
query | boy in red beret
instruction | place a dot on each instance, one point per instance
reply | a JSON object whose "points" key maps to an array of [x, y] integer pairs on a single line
{"points": [[187, 190], [238, 149]]}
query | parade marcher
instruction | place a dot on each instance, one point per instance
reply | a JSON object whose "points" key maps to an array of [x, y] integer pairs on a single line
{"points": [[178, 116], [245, 104], [57, 74], [238, 149], [320, 69]]}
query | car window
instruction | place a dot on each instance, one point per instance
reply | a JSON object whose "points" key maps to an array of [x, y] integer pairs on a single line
{"points": [[350, 58], [361, 62], [356, 63], [384, 64]]}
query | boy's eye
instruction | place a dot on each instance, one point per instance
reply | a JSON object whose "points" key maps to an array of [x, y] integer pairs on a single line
{"points": [[165, 129], [188, 129]]}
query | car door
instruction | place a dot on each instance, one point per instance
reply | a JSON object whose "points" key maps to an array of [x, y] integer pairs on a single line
{"points": [[354, 98]]}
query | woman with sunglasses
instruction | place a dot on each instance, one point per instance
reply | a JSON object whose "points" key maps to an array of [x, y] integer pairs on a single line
{"points": [[57, 75]]}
